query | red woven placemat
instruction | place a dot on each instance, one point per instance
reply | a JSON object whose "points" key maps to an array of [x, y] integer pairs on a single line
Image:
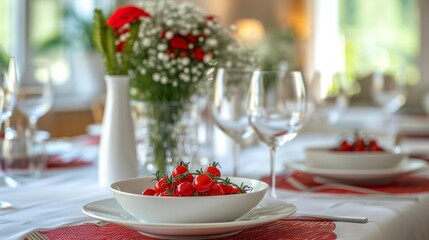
{"points": [[404, 185], [282, 229]]}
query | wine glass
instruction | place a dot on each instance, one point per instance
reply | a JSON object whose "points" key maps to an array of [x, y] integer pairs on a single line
{"points": [[8, 89], [328, 94], [35, 93], [229, 106], [276, 110], [389, 90]]}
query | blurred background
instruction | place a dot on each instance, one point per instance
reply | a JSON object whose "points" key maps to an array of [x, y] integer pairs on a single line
{"points": [[354, 37]]}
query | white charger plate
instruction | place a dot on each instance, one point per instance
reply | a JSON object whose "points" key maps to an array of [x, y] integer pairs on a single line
{"points": [[360, 176], [268, 210]]}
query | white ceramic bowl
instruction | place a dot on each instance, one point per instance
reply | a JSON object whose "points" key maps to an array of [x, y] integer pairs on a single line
{"points": [[327, 158], [205, 209]]}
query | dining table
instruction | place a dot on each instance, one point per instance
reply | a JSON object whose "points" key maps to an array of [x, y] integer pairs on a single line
{"points": [[52, 204]]}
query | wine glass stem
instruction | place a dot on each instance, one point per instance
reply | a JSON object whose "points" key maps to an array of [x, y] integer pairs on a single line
{"points": [[236, 156], [273, 193], [33, 125]]}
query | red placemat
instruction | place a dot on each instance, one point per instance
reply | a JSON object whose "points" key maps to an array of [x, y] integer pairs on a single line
{"points": [[282, 229], [57, 162], [405, 185]]}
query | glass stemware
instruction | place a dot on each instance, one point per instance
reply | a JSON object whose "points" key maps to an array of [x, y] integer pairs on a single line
{"points": [[276, 110], [35, 93], [329, 96], [229, 106], [389, 90], [8, 89]]}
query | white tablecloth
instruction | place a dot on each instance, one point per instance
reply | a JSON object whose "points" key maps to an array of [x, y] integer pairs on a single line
{"points": [[57, 199]]}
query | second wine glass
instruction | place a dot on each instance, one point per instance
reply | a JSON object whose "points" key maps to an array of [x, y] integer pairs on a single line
{"points": [[35, 93], [229, 106], [8, 89], [277, 109]]}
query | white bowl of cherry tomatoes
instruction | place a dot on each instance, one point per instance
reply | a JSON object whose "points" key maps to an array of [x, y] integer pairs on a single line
{"points": [[360, 153], [184, 197]]}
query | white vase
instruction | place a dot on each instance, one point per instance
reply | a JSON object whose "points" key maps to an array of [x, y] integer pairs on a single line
{"points": [[117, 156]]}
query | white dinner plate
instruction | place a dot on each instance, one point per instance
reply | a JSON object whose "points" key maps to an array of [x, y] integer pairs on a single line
{"points": [[267, 211], [360, 176]]}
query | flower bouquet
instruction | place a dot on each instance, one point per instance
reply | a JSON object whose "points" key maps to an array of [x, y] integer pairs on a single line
{"points": [[169, 49]]}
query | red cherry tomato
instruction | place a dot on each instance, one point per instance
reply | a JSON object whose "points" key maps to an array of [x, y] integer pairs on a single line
{"points": [[227, 188], [178, 170], [373, 146], [345, 146], [212, 171], [215, 190], [202, 183], [162, 185], [149, 192], [235, 190], [185, 189]]}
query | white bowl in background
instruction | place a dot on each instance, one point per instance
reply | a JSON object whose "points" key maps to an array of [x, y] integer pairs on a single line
{"points": [[331, 159], [198, 209]]}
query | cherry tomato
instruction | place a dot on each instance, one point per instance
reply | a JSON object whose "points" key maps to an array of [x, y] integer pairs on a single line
{"points": [[373, 146], [149, 192], [227, 188], [215, 190], [178, 170], [235, 190], [359, 145], [345, 146], [185, 189], [162, 185], [202, 183], [212, 171]]}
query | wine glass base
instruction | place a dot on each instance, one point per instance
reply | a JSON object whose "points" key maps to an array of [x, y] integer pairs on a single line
{"points": [[6, 181]]}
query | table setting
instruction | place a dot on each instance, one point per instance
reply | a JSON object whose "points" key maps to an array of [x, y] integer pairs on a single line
{"points": [[286, 163]]}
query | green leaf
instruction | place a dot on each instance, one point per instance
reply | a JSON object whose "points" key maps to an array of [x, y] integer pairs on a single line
{"points": [[110, 51], [99, 26]]}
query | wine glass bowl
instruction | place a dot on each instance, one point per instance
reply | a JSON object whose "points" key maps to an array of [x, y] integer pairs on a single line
{"points": [[35, 93], [229, 106], [329, 94], [276, 110], [389, 90]]}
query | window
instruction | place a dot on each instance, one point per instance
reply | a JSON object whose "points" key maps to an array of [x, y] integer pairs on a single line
{"points": [[59, 31]]}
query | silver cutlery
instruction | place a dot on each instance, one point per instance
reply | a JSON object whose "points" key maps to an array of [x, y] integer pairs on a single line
{"points": [[335, 218]]}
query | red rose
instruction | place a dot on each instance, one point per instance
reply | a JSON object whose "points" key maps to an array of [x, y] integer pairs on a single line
{"points": [[199, 54], [212, 17], [120, 46], [125, 15], [179, 42], [192, 38]]}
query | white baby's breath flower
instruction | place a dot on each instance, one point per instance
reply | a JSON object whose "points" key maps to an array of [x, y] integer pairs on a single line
{"points": [[174, 83], [169, 22], [185, 61], [162, 47], [207, 58], [169, 35], [207, 31], [142, 71], [156, 77], [164, 80], [184, 77], [162, 56], [146, 42], [212, 42]]}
